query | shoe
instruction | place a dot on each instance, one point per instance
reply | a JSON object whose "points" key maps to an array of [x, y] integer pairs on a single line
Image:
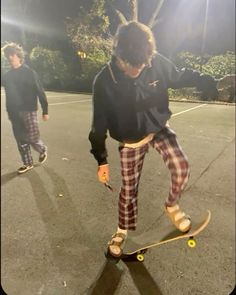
{"points": [[114, 246], [181, 221], [43, 158], [24, 168]]}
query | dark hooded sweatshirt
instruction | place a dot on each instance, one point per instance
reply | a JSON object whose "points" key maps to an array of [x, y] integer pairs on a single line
{"points": [[130, 109], [23, 88]]}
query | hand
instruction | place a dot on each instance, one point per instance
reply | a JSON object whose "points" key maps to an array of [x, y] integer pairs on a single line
{"points": [[103, 173], [45, 117]]}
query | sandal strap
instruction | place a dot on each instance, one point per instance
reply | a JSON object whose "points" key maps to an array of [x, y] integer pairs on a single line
{"points": [[178, 216], [117, 243]]}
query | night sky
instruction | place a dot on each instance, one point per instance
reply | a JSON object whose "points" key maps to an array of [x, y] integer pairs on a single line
{"points": [[180, 27]]}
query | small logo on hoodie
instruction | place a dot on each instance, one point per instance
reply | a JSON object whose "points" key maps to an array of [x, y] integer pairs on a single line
{"points": [[154, 83]]}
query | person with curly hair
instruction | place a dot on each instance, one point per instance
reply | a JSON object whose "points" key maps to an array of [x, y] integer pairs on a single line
{"points": [[23, 89]]}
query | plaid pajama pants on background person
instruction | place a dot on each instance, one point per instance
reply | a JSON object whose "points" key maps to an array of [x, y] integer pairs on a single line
{"points": [[132, 159], [26, 131]]}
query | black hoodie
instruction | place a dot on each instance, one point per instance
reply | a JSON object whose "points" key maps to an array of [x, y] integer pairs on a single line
{"points": [[130, 109], [22, 87]]}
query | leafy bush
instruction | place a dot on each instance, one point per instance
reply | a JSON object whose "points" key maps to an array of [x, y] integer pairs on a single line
{"points": [[89, 33], [187, 59], [90, 66], [183, 93], [90, 30], [50, 66], [216, 66], [220, 65]]}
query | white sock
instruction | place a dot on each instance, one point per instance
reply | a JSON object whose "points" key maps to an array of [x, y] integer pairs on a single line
{"points": [[123, 231]]}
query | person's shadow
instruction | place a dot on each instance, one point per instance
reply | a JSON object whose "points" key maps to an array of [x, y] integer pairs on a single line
{"points": [[140, 275], [143, 279], [5, 178], [68, 238], [110, 275], [64, 219], [107, 280]]}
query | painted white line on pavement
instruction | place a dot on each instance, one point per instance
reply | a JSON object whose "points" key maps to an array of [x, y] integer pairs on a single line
{"points": [[85, 100], [188, 110], [60, 95], [68, 102]]}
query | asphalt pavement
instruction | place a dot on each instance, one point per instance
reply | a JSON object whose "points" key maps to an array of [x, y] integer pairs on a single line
{"points": [[57, 218]]}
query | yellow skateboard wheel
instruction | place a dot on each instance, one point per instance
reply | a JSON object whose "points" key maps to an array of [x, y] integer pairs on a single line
{"points": [[140, 257], [191, 243]]}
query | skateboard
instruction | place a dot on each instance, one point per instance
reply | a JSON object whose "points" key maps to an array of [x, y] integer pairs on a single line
{"points": [[138, 254]]}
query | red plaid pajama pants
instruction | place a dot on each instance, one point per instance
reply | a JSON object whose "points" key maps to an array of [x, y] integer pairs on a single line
{"points": [[132, 159], [26, 131]]}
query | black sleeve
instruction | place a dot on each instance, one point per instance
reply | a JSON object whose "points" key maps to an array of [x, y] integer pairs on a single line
{"points": [[97, 135], [41, 94], [189, 78]]}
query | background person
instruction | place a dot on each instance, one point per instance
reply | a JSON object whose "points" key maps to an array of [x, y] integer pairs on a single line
{"points": [[23, 88]]}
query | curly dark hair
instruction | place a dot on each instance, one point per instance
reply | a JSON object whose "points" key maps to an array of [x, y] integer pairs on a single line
{"points": [[134, 43], [13, 48]]}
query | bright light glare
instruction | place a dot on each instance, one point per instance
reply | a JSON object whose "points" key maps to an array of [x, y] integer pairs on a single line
{"points": [[29, 26]]}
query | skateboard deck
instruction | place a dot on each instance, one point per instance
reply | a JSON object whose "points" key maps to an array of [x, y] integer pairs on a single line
{"points": [[138, 253]]}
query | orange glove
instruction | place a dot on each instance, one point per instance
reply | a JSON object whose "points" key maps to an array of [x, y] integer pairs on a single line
{"points": [[103, 173]]}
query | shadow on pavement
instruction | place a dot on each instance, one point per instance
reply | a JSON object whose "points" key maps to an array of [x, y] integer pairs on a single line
{"points": [[107, 280], [110, 276], [65, 232], [5, 178], [142, 279], [8, 177]]}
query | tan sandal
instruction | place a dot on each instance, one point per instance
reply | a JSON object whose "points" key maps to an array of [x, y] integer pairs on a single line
{"points": [[181, 221], [114, 246]]}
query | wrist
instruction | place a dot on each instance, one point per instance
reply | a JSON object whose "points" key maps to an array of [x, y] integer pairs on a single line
{"points": [[102, 163]]}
